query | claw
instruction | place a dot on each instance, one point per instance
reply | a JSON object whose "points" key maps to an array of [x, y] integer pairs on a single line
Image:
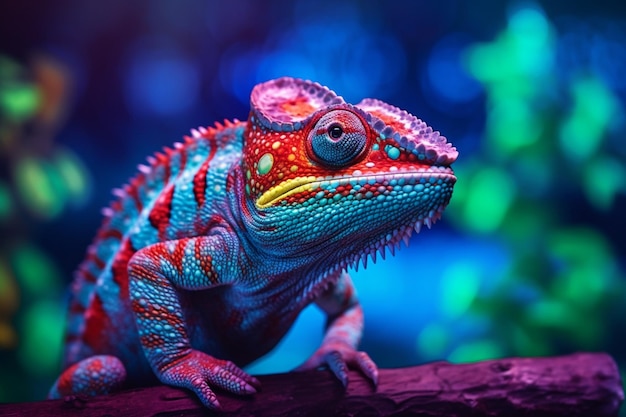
{"points": [[339, 360], [207, 397], [338, 367], [368, 367]]}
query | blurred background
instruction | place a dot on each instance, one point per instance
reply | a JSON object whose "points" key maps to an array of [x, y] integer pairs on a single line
{"points": [[529, 258]]}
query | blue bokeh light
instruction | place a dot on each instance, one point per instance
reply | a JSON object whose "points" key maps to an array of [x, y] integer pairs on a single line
{"points": [[598, 47], [342, 53], [444, 75], [161, 83]]}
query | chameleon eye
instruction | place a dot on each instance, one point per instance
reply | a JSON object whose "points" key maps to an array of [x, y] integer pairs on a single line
{"points": [[338, 139], [335, 131]]}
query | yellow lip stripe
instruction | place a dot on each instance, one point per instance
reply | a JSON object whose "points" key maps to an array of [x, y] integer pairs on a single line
{"points": [[285, 189]]}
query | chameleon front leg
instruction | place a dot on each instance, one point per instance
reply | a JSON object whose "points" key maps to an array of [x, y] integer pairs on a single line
{"points": [[156, 274], [344, 328]]}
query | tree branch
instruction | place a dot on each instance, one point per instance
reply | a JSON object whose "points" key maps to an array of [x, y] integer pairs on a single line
{"points": [[583, 384]]}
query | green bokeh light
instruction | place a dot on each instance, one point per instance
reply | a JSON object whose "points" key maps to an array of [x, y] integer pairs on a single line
{"points": [[40, 347], [73, 174], [528, 344], [513, 125], [18, 101], [490, 193], [550, 140], [460, 282], [604, 177], [433, 340], [509, 65], [36, 188], [530, 22], [549, 313], [476, 351], [6, 202], [584, 267], [526, 222], [37, 274], [583, 131]]}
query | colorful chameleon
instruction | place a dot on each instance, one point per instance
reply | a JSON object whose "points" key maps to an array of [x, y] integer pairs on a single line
{"points": [[207, 257]]}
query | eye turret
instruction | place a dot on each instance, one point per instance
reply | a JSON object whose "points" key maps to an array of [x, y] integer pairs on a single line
{"points": [[338, 139]]}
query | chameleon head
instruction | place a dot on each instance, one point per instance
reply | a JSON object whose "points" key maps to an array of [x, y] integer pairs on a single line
{"points": [[323, 177]]}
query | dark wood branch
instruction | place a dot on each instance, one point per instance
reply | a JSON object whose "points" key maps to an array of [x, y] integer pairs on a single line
{"points": [[582, 384]]}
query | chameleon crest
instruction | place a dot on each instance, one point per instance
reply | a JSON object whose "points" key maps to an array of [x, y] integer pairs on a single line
{"points": [[206, 258]]}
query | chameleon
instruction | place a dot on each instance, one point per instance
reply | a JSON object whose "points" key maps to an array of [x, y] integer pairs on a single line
{"points": [[207, 256]]}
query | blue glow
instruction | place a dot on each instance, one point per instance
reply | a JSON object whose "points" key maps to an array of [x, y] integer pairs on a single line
{"points": [[163, 84], [372, 65], [445, 75], [601, 51], [284, 62], [400, 296], [237, 71]]}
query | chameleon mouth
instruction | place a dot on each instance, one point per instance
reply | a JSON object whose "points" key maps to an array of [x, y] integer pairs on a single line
{"points": [[285, 189], [308, 184]]}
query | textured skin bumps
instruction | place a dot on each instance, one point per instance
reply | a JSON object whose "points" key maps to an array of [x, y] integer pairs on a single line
{"points": [[208, 255]]}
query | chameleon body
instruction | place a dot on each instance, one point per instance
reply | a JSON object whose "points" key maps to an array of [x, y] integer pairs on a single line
{"points": [[208, 255]]}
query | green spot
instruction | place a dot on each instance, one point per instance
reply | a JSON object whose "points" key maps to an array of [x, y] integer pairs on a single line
{"points": [[519, 60], [604, 178], [586, 270], [432, 341], [489, 196], [37, 186], [36, 273], [527, 344], [512, 125], [6, 203], [594, 108], [529, 21], [549, 313], [460, 283], [248, 174], [265, 164], [375, 147], [40, 346], [476, 351], [19, 101], [73, 174], [393, 152]]}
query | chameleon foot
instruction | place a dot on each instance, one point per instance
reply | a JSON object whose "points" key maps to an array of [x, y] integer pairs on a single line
{"points": [[198, 371], [339, 358]]}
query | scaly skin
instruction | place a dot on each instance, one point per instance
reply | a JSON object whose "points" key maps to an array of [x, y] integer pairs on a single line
{"points": [[207, 257]]}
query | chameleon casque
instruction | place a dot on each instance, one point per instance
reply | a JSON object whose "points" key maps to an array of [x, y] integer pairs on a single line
{"points": [[208, 255]]}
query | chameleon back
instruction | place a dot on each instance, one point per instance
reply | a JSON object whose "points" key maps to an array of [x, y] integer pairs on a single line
{"points": [[167, 199]]}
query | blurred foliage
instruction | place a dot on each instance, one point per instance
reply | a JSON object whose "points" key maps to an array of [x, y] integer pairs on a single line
{"points": [[549, 140], [38, 180]]}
